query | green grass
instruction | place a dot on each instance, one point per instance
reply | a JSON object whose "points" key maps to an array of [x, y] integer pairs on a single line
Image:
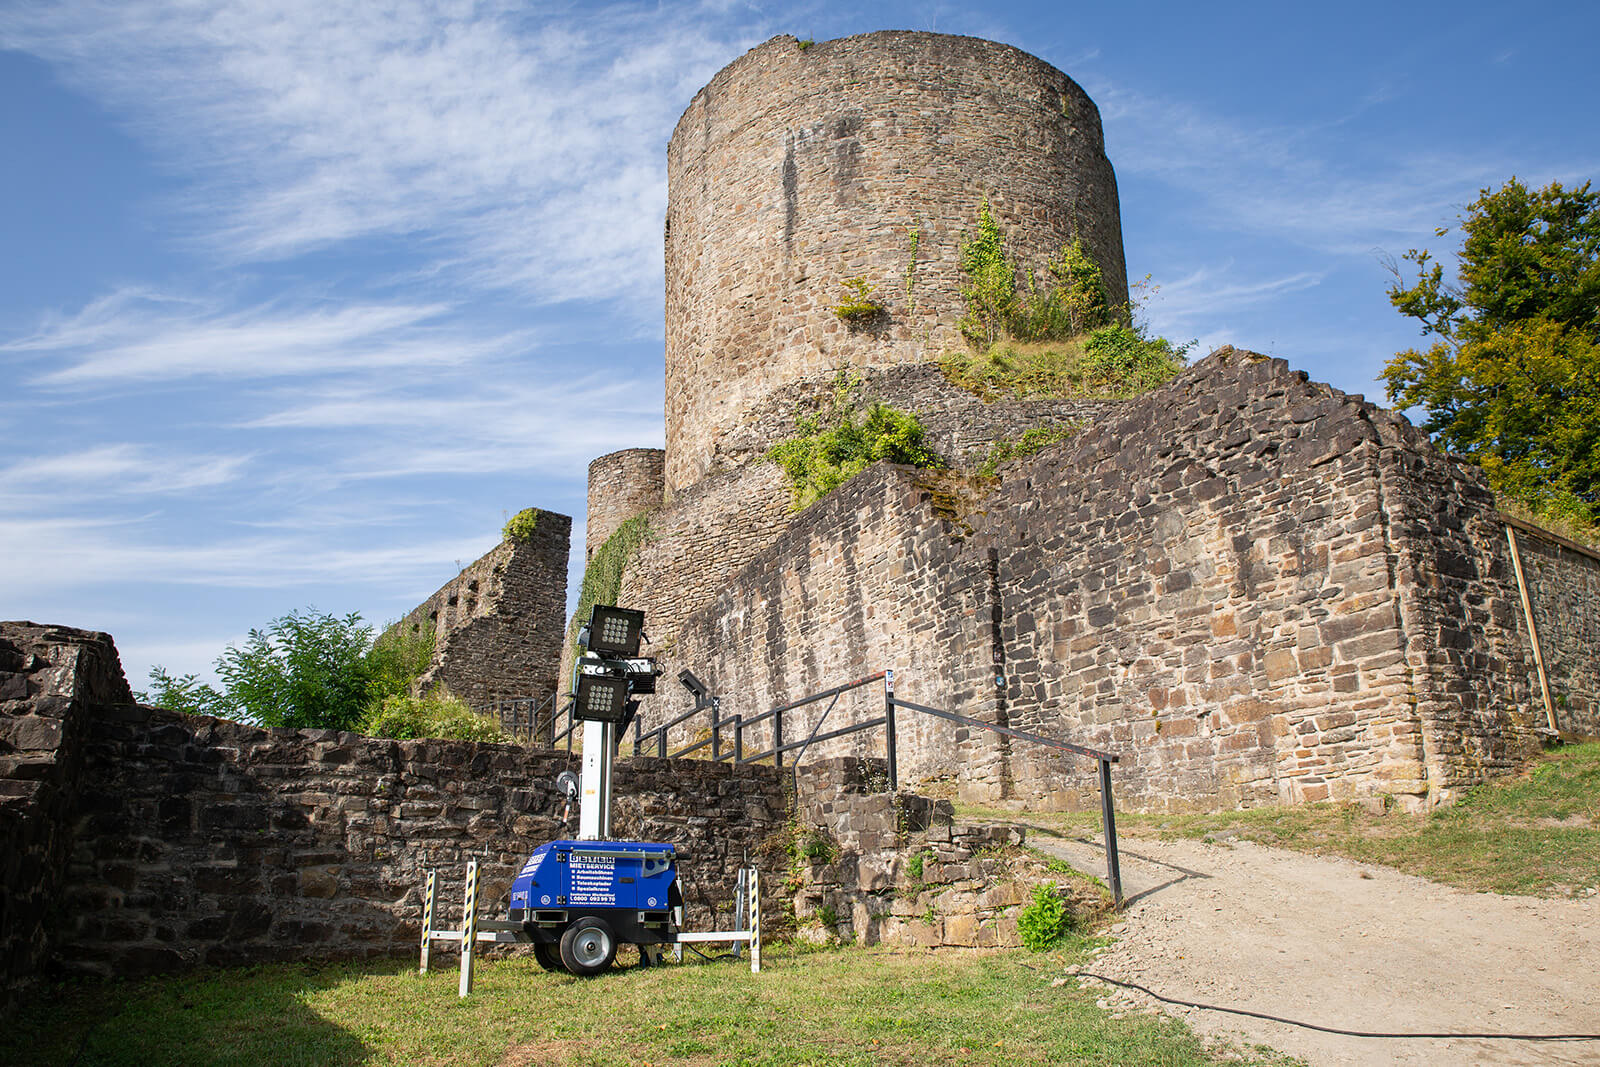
{"points": [[854, 1006], [1536, 833]]}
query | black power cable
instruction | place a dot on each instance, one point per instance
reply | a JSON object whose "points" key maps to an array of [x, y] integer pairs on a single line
{"points": [[1332, 1029]]}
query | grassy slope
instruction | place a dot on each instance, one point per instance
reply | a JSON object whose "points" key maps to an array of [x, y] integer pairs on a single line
{"points": [[1535, 833], [849, 1006]]}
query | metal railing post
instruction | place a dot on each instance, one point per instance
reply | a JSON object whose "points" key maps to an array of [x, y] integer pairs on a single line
{"points": [[777, 740], [738, 739], [888, 726], [1108, 818], [662, 734], [716, 728]]}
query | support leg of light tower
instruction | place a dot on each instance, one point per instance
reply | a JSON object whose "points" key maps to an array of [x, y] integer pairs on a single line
{"points": [[594, 805]]}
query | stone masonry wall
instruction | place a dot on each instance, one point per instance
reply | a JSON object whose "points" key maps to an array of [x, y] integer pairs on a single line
{"points": [[798, 169], [50, 677], [879, 867], [1564, 584], [189, 840], [1251, 586], [621, 485], [960, 426], [498, 625]]}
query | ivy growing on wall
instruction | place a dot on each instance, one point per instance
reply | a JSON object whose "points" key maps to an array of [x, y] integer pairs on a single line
{"points": [[602, 578]]}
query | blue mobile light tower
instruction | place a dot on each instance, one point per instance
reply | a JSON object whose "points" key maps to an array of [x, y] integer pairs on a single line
{"points": [[578, 900]]}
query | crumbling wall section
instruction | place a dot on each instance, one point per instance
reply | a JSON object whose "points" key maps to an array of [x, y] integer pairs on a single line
{"points": [[49, 679], [141, 840], [498, 625], [1252, 587]]}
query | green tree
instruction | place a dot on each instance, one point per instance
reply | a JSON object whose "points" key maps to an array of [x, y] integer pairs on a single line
{"points": [[305, 670], [1512, 379]]}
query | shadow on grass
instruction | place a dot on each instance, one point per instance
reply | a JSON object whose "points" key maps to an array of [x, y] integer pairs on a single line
{"points": [[253, 1015]]}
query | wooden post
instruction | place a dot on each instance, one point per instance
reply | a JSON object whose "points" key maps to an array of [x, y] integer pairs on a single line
{"points": [[1533, 629], [427, 920], [469, 928]]}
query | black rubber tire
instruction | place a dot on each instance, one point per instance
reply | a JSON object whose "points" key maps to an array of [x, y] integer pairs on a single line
{"points": [[588, 946], [549, 957]]}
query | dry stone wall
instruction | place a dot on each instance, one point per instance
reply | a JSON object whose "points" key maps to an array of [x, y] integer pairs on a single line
{"points": [[498, 625], [799, 169], [156, 841]]}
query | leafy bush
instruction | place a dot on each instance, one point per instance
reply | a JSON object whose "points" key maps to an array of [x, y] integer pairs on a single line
{"points": [[520, 526], [306, 669], [1045, 921], [836, 445], [1118, 361], [1054, 334], [397, 659], [407, 717], [1070, 298]]}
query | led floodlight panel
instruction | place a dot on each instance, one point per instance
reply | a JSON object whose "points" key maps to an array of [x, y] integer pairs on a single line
{"points": [[601, 699], [615, 631]]}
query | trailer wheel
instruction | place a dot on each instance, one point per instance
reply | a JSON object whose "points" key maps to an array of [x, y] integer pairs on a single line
{"points": [[588, 946], [549, 957]]}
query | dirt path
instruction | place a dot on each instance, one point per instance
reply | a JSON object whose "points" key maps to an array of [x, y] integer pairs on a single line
{"points": [[1349, 946]]}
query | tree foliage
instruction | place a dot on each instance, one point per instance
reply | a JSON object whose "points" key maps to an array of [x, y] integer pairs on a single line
{"points": [[305, 669], [1512, 378]]}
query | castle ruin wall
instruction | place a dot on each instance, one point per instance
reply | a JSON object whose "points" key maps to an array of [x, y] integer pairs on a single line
{"points": [[798, 169], [498, 625], [1255, 588], [180, 840]]}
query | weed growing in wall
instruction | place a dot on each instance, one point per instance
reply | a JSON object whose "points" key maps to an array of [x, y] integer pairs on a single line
{"points": [[859, 308], [406, 717], [602, 578], [520, 526], [1033, 440], [835, 445], [1045, 921]]}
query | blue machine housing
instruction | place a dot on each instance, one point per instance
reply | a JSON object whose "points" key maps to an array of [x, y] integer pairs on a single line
{"points": [[633, 885]]}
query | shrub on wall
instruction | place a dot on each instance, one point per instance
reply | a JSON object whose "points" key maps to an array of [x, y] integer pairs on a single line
{"points": [[1051, 334], [837, 444], [406, 717], [520, 526], [1045, 921]]}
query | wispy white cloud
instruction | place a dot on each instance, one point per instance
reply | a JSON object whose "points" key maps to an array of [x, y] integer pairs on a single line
{"points": [[1213, 291], [525, 146], [1288, 183], [58, 553], [134, 335], [117, 470]]}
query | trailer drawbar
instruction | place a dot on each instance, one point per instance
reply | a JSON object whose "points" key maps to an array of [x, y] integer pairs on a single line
{"points": [[577, 900]]}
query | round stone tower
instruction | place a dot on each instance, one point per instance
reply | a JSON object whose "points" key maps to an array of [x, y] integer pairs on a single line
{"points": [[621, 485], [800, 169]]}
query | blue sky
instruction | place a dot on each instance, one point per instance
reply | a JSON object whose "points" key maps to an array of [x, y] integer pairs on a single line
{"points": [[301, 297]]}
